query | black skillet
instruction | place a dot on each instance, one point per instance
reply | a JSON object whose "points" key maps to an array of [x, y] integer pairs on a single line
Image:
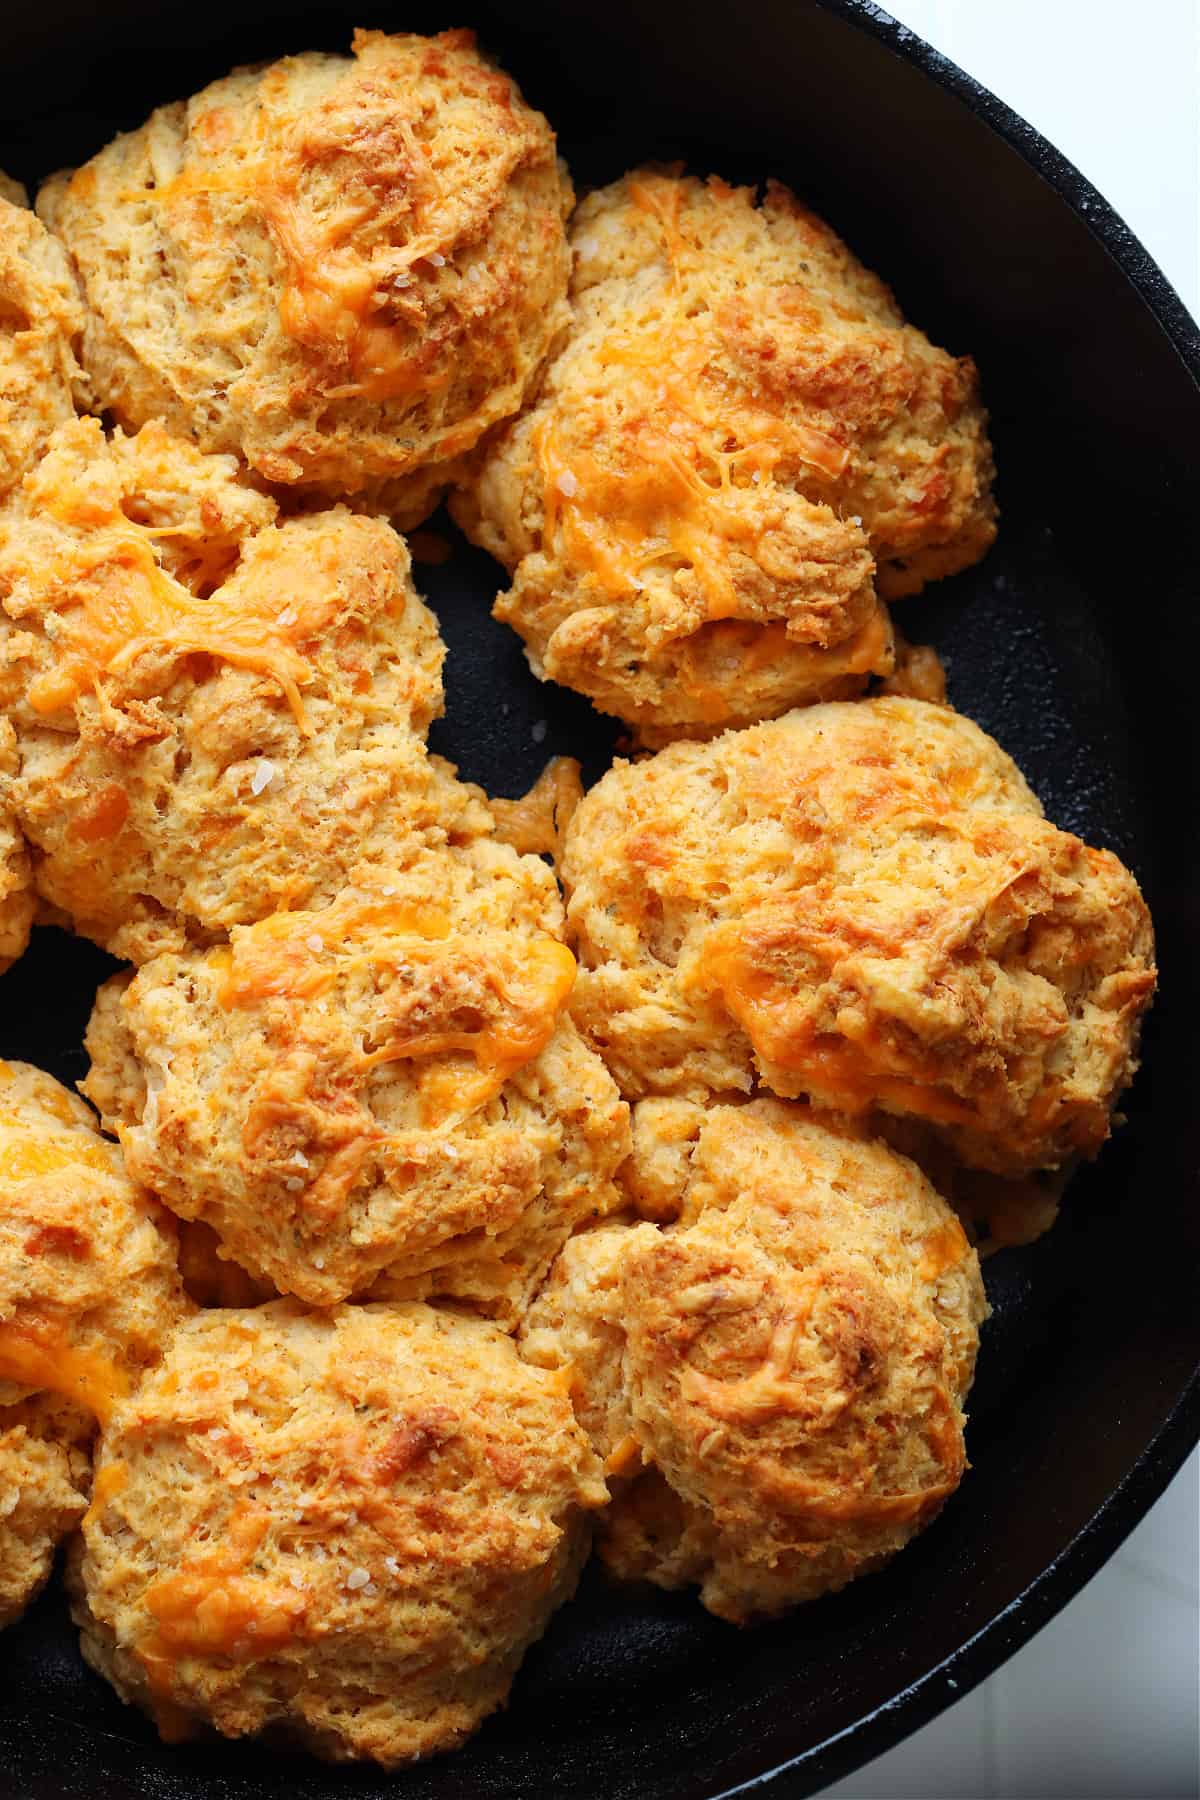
{"points": [[1075, 643]]}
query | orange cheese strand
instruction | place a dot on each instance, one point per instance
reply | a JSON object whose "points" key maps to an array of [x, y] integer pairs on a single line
{"points": [[281, 956], [546, 975], [841, 1074], [37, 1356], [331, 294], [943, 1249], [211, 1607], [118, 602], [672, 497], [297, 957], [110, 1481], [25, 1155]]}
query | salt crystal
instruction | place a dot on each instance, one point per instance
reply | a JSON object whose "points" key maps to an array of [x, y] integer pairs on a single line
{"points": [[357, 1578], [318, 1262], [567, 484], [538, 732], [300, 1160], [264, 774], [438, 260], [293, 1184], [315, 942], [391, 1565]]}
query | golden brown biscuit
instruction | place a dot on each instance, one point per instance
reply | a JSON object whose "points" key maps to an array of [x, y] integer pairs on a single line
{"points": [[217, 716], [88, 1294], [88, 1282], [860, 903], [41, 321], [18, 902], [341, 270], [738, 429], [387, 1088], [777, 1382], [45, 1471], [344, 1528]]}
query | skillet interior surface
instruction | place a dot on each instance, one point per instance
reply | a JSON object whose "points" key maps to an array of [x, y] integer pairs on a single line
{"points": [[1073, 643]]}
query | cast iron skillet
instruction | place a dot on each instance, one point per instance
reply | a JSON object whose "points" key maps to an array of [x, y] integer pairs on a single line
{"points": [[1074, 643]]}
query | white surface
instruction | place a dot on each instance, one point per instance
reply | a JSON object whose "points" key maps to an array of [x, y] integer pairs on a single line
{"points": [[1104, 1703]]}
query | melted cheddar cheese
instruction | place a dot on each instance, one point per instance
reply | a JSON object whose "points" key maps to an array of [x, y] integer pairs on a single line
{"points": [[27, 1154], [853, 1077], [299, 957], [344, 272], [36, 1355], [112, 601], [676, 493], [211, 1607]]}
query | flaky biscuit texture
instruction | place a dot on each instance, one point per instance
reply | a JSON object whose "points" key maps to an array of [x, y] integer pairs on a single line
{"points": [[777, 1381], [342, 270], [860, 903], [387, 1090], [41, 323], [738, 450], [217, 715], [343, 1528], [45, 1471]]}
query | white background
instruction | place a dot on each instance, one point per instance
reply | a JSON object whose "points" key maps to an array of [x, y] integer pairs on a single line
{"points": [[1103, 1704]]}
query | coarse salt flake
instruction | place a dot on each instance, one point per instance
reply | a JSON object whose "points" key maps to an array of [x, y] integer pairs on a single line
{"points": [[357, 1578], [567, 484], [438, 260], [293, 1184], [264, 774], [315, 942], [538, 732]]}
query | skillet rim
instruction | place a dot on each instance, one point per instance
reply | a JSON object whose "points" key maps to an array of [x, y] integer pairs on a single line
{"points": [[1148, 1478], [806, 1769]]}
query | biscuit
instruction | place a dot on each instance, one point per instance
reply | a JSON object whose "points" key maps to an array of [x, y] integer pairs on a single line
{"points": [[777, 1381], [340, 1528], [342, 270], [387, 1089], [45, 1472], [860, 904], [88, 1282], [41, 322], [217, 715], [739, 448], [88, 1294]]}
